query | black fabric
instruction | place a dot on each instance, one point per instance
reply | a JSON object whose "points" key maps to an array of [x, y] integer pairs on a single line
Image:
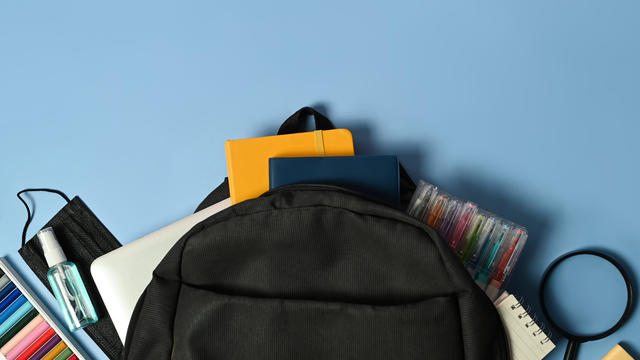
{"points": [[407, 188], [313, 272], [296, 122], [218, 194], [83, 238]]}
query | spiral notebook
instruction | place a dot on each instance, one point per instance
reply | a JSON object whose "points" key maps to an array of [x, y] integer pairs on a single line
{"points": [[527, 338]]}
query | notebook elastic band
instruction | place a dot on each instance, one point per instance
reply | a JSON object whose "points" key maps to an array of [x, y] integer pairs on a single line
{"points": [[319, 142]]}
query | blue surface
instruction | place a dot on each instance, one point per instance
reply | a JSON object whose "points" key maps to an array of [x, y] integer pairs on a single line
{"points": [[605, 303], [528, 108]]}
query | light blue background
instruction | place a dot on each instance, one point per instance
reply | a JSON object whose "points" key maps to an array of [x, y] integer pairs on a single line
{"points": [[530, 108]]}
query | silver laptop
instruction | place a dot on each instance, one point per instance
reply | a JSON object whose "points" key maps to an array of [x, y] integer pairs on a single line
{"points": [[122, 275]]}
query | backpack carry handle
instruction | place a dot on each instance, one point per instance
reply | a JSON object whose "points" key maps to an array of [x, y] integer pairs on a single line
{"points": [[295, 123]]}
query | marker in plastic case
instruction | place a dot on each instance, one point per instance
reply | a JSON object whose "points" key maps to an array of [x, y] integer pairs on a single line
{"points": [[492, 253], [449, 217], [505, 267], [436, 207], [473, 257], [420, 200], [463, 218], [471, 234]]}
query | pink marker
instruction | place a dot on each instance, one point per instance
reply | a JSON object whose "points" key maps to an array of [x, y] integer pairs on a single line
{"points": [[21, 334], [464, 217], [28, 340]]}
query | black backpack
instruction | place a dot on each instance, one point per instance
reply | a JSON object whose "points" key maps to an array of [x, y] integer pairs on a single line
{"points": [[313, 272]]}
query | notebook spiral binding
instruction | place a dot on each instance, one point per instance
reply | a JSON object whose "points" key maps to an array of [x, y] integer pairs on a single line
{"points": [[533, 320]]}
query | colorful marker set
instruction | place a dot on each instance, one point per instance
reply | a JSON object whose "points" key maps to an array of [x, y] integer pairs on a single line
{"points": [[27, 330], [489, 246]]}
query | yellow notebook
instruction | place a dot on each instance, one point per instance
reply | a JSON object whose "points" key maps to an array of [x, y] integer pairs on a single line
{"points": [[248, 159]]}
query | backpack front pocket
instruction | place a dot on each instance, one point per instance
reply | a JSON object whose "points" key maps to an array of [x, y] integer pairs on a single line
{"points": [[242, 327]]}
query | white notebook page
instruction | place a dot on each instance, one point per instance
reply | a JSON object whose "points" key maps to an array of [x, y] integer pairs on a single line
{"points": [[526, 339]]}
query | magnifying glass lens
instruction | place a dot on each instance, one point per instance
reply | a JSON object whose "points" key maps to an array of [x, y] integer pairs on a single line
{"points": [[585, 295]]}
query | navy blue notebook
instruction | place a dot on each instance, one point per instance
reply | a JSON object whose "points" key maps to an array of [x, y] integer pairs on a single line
{"points": [[376, 176]]}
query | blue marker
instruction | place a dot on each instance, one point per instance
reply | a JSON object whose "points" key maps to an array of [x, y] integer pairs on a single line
{"points": [[491, 257], [478, 248], [10, 298], [15, 317], [7, 290], [12, 308]]}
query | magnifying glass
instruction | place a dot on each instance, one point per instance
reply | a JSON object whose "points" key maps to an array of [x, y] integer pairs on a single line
{"points": [[586, 269]]}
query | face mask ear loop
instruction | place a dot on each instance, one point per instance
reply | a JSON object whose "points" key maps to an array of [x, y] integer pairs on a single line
{"points": [[26, 224]]}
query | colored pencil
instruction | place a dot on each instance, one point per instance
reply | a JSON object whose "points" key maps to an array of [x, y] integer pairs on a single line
{"points": [[18, 326], [21, 300], [51, 355], [22, 334], [4, 280], [8, 295], [64, 355], [37, 344], [28, 340], [15, 317], [48, 346]]}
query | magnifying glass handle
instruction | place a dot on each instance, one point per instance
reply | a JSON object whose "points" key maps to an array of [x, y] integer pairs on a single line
{"points": [[572, 350]]}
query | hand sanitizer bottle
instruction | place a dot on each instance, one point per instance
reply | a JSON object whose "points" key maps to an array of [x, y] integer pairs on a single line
{"points": [[67, 284]]}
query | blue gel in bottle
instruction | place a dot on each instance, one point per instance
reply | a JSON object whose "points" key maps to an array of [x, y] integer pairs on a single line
{"points": [[66, 283]]}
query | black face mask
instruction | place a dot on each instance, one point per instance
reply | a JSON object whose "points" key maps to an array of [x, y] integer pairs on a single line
{"points": [[83, 238]]}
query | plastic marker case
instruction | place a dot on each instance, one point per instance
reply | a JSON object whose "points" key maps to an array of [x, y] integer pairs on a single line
{"points": [[30, 331], [488, 245]]}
